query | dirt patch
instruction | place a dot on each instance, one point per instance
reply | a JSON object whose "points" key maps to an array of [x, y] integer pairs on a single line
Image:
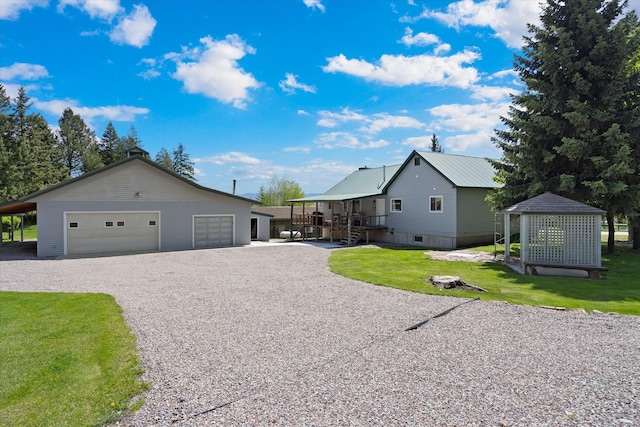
{"points": [[464, 255]]}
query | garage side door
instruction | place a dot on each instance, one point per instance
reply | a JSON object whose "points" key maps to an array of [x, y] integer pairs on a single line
{"points": [[212, 231], [104, 232]]}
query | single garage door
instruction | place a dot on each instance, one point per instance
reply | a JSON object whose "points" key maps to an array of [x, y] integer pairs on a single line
{"points": [[212, 231], [103, 232]]}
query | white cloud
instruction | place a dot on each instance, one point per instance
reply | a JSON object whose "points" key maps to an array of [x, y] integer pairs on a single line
{"points": [[90, 33], [400, 70], [507, 18], [333, 140], [382, 121], [470, 117], [116, 113], [464, 142], [418, 142], [314, 4], [296, 149], [214, 70], [226, 158], [23, 71], [290, 84], [491, 93], [420, 39], [136, 28], [303, 113], [102, 9], [149, 74], [10, 9], [331, 120]]}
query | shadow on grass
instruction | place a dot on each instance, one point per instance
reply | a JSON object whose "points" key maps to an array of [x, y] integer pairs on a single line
{"points": [[620, 283]]}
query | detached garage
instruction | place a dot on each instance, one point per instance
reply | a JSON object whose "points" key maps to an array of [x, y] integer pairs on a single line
{"points": [[131, 206]]}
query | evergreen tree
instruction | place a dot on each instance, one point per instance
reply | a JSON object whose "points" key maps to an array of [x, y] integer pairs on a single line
{"points": [[570, 130], [6, 142], [279, 191], [128, 142], [29, 160], [110, 145], [163, 158], [435, 145], [74, 139], [182, 164]]}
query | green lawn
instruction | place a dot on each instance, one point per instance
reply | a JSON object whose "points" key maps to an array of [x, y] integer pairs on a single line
{"points": [[410, 268], [30, 233], [67, 360]]}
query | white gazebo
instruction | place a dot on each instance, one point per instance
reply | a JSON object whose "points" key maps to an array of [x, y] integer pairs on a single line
{"points": [[556, 232]]}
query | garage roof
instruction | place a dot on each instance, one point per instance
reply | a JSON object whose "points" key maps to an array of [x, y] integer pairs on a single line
{"points": [[25, 204]]}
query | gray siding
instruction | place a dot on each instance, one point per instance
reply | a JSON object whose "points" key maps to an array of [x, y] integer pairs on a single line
{"points": [[415, 185], [176, 220], [116, 190], [475, 218], [263, 226]]}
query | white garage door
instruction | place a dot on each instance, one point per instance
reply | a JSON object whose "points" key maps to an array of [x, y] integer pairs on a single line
{"points": [[212, 230], [102, 232]]}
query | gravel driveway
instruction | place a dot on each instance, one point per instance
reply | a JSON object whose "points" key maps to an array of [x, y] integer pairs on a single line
{"points": [[267, 335]]}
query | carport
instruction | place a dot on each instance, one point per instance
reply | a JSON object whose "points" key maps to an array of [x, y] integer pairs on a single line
{"points": [[13, 209]]}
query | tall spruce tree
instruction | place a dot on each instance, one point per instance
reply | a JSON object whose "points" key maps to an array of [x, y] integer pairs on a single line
{"points": [[29, 160], [163, 158], [435, 145], [570, 130], [182, 164], [74, 139], [110, 145]]}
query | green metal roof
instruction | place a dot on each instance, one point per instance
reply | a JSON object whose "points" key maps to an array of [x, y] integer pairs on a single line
{"points": [[461, 171], [365, 182]]}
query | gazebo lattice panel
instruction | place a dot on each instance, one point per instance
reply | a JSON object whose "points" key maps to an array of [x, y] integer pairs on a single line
{"points": [[561, 239]]}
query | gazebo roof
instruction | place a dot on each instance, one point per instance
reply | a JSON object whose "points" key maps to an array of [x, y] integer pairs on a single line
{"points": [[549, 203]]}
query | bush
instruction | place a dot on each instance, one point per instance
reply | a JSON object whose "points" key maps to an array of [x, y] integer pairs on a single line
{"points": [[6, 223]]}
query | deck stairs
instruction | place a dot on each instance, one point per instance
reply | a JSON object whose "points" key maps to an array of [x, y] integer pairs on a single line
{"points": [[351, 238]]}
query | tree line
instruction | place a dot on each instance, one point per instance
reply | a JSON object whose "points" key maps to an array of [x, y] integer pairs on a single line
{"points": [[34, 157]]}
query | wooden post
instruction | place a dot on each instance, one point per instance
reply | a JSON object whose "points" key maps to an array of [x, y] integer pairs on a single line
{"points": [[291, 223]]}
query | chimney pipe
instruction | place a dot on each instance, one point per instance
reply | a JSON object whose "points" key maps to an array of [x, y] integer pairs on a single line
{"points": [[234, 187]]}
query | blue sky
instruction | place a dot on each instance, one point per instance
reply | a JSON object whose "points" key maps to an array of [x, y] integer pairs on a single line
{"points": [[305, 89]]}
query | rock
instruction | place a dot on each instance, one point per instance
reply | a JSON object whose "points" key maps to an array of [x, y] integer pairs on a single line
{"points": [[453, 282]]}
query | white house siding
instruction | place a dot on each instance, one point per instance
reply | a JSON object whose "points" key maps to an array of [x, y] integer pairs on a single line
{"points": [[475, 218], [414, 186], [137, 187]]}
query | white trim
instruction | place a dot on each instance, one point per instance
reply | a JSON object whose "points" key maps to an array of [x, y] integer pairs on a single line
{"points": [[391, 210], [65, 222], [441, 204], [193, 227]]}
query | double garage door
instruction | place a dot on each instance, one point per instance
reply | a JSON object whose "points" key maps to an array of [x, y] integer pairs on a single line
{"points": [[102, 232]]}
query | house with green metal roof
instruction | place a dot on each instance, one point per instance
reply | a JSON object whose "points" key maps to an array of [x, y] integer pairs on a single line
{"points": [[431, 199]]}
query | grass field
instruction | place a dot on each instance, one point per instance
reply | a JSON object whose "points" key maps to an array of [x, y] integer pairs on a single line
{"points": [[410, 268], [67, 360], [30, 233]]}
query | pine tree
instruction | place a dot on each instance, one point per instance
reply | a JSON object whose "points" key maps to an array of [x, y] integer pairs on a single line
{"points": [[570, 130], [163, 158], [74, 138], [128, 142], [6, 142], [435, 145], [110, 145], [182, 164]]}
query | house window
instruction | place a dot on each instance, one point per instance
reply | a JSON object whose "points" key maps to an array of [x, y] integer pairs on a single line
{"points": [[108, 224], [120, 224], [417, 239], [435, 204], [73, 225], [152, 222], [416, 161], [396, 205]]}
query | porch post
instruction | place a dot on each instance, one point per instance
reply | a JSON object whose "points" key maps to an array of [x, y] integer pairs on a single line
{"points": [[291, 224], [507, 236]]}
